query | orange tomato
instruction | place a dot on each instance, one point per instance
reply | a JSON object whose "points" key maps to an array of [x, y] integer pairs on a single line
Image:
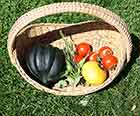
{"points": [[92, 56], [83, 49], [105, 51], [77, 58], [109, 61]]}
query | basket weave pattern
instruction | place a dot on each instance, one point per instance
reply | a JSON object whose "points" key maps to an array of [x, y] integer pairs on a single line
{"points": [[112, 32]]}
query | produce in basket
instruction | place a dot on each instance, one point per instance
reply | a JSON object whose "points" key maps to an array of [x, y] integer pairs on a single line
{"points": [[105, 51], [83, 49], [82, 62], [75, 62], [77, 58], [109, 61], [45, 62], [93, 56], [93, 74]]}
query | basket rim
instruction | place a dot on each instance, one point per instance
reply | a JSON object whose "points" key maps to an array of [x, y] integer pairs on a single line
{"points": [[55, 8]]}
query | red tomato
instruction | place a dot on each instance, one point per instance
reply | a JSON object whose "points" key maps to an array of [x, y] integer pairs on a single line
{"points": [[109, 61], [104, 51], [92, 56], [83, 49], [77, 58]]}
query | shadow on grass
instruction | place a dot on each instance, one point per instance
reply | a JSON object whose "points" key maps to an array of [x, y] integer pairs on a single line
{"points": [[134, 55]]}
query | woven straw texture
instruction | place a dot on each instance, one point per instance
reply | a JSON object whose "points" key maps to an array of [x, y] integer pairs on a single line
{"points": [[111, 31]]}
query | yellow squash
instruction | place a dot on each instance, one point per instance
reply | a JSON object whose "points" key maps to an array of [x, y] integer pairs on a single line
{"points": [[93, 74]]}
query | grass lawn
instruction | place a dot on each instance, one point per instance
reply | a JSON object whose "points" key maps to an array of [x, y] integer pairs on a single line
{"points": [[18, 98]]}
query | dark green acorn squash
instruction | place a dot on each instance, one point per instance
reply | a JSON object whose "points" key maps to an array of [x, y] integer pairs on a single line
{"points": [[45, 62]]}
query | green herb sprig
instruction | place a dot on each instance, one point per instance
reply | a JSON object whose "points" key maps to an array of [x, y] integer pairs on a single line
{"points": [[73, 70]]}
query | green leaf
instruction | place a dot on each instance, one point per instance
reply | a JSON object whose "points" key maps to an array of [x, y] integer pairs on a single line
{"points": [[81, 63], [68, 66], [73, 70], [99, 59], [69, 47], [70, 80], [61, 84], [77, 80]]}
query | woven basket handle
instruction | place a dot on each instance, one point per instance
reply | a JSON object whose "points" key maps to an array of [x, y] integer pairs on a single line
{"points": [[46, 10]]}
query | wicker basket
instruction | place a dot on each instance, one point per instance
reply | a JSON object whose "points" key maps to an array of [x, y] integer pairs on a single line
{"points": [[111, 31]]}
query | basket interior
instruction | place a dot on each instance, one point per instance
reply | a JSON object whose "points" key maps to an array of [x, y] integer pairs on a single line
{"points": [[97, 34]]}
